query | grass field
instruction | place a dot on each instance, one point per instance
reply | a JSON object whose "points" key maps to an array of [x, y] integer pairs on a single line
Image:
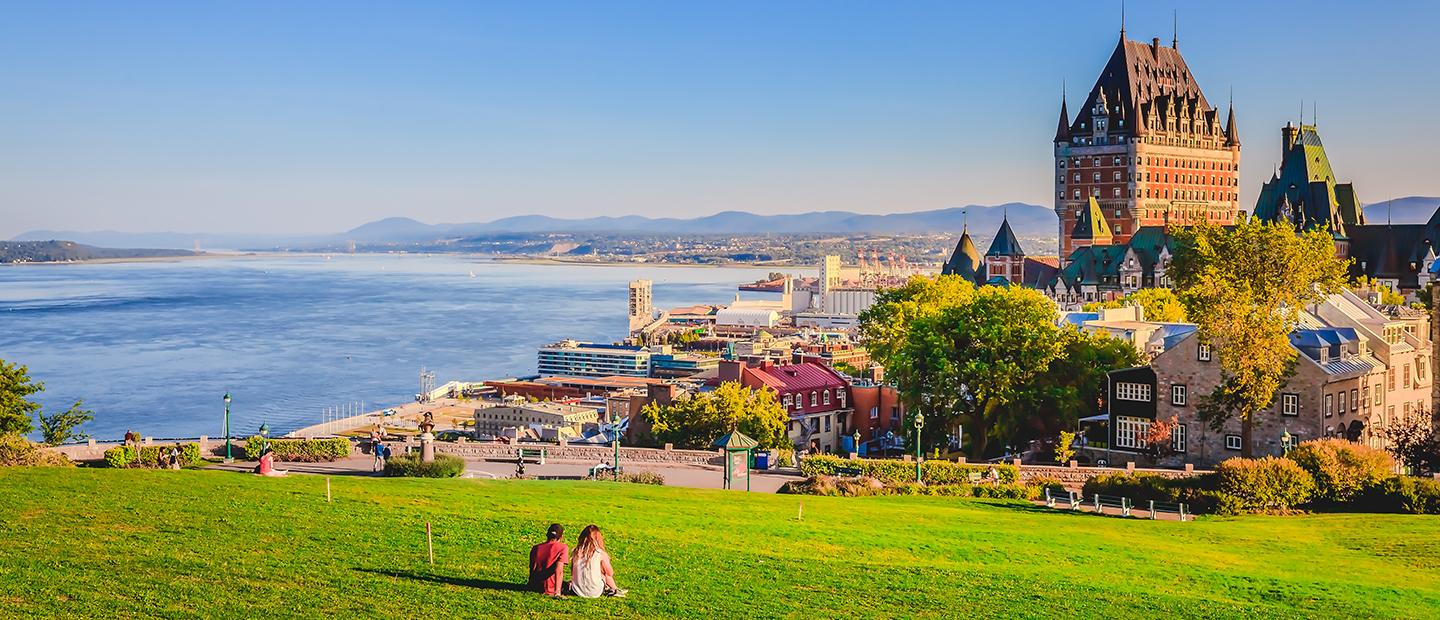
{"points": [[125, 543]]}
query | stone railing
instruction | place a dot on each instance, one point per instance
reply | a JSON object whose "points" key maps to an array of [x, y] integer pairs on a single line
{"points": [[592, 454], [1075, 476]]}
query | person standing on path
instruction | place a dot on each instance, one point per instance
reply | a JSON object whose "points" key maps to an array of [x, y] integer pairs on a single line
{"points": [[547, 562]]}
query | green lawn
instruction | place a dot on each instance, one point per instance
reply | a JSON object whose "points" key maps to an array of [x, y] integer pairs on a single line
{"points": [[125, 543]]}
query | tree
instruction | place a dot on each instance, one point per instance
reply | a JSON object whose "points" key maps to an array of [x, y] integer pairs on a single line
{"points": [[700, 419], [1414, 442], [1073, 385], [1065, 448], [1244, 287], [1159, 438], [60, 427], [16, 387], [1159, 304]]}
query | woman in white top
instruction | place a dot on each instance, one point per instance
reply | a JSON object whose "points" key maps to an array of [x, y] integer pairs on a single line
{"points": [[590, 573]]}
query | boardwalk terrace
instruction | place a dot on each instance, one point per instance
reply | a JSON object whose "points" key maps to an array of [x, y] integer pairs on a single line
{"points": [[588, 359]]}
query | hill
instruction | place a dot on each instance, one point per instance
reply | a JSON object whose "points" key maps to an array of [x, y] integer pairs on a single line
{"points": [[1407, 210], [219, 544], [68, 251]]}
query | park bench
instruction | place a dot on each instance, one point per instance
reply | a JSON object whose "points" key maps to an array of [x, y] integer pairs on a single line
{"points": [[1177, 508], [1110, 501], [853, 472], [535, 454], [1070, 499]]}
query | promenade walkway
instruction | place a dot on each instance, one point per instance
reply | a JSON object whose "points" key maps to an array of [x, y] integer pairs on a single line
{"points": [[677, 475]]}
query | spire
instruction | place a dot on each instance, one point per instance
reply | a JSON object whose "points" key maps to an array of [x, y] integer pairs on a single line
{"points": [[1175, 38], [1232, 133], [1005, 243], [1062, 132], [1122, 20]]}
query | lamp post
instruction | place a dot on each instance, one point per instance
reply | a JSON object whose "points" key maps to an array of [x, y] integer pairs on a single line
{"points": [[615, 428], [228, 458], [919, 424]]}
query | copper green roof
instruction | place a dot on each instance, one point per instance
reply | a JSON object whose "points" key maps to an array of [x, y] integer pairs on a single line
{"points": [[735, 440], [1005, 243], [1304, 191], [965, 261]]}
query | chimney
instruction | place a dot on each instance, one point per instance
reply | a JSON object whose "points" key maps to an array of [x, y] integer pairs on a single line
{"points": [[877, 373], [730, 370], [1289, 135], [1155, 46]]}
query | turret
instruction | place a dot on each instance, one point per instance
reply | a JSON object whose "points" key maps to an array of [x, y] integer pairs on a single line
{"points": [[1289, 135], [1232, 133], [1062, 132]]}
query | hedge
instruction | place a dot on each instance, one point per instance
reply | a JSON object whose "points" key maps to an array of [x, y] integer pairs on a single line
{"points": [[1264, 484], [890, 471], [1342, 470], [410, 466], [1402, 494], [300, 450], [17, 451], [865, 487], [151, 457]]}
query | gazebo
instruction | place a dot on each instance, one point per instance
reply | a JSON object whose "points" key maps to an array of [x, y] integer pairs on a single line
{"points": [[737, 448]]}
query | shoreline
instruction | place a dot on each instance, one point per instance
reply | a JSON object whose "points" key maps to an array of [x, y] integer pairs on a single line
{"points": [[496, 258]]}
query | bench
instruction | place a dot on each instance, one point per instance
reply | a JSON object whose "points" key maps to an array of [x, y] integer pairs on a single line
{"points": [[853, 472], [1110, 501], [1180, 509], [1069, 500], [535, 454]]}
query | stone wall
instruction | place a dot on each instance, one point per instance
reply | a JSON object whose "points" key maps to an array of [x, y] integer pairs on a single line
{"points": [[1075, 477], [592, 454]]}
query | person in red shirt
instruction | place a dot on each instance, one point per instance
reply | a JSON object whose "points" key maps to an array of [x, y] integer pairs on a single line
{"points": [[547, 562]]}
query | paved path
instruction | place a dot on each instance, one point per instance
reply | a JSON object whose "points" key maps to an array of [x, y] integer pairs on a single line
{"points": [[679, 475]]}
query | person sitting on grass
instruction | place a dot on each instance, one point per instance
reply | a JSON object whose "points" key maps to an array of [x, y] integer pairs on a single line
{"points": [[547, 562], [267, 464], [591, 575]]}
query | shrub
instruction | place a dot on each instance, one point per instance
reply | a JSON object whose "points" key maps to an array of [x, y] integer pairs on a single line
{"points": [[300, 450], [1264, 484], [836, 487], [894, 472], [151, 457], [17, 451], [643, 477], [1341, 469], [1138, 487], [410, 466], [1402, 494]]}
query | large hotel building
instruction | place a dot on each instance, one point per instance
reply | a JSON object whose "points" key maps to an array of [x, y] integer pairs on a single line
{"points": [[1147, 146]]}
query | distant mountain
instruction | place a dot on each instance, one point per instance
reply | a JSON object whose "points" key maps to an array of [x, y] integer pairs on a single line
{"points": [[1407, 210], [64, 251], [1025, 219]]}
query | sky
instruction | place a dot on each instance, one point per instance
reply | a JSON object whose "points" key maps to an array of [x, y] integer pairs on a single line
{"points": [[311, 117]]}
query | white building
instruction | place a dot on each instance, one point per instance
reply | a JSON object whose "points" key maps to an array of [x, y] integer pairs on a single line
{"points": [[547, 420], [588, 359]]}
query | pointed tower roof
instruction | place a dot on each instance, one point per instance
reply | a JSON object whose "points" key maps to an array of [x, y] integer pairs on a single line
{"points": [[1005, 243], [1092, 225], [1062, 133], [1232, 133], [965, 261]]}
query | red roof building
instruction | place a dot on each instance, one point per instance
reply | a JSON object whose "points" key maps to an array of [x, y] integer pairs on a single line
{"points": [[817, 398]]}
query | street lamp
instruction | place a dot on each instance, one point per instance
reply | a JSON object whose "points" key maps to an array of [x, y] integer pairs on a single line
{"points": [[615, 428], [919, 424], [228, 458]]}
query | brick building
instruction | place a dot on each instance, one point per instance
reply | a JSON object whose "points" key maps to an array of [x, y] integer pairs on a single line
{"points": [[1147, 147], [817, 398]]}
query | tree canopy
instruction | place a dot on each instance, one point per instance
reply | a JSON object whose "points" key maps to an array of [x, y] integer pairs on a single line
{"points": [[16, 388], [694, 422], [1244, 286], [1159, 304]]}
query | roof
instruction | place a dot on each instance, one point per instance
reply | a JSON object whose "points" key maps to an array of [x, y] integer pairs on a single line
{"points": [[1392, 252], [1005, 243], [735, 440], [1145, 79], [965, 260], [1091, 224], [1304, 190], [796, 377]]}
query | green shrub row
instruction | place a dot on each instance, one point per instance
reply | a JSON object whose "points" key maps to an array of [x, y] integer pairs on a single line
{"points": [[151, 457], [1263, 485], [1402, 494], [300, 450], [894, 472], [864, 487], [643, 477], [410, 466]]}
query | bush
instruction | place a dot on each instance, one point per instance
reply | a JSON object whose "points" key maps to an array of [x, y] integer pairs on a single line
{"points": [[643, 477], [300, 450], [1138, 487], [1264, 484], [1402, 494], [895, 472], [835, 487], [17, 451], [410, 466], [151, 457], [1342, 470]]}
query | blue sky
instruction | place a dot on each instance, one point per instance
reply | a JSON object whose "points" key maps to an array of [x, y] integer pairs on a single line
{"points": [[316, 117]]}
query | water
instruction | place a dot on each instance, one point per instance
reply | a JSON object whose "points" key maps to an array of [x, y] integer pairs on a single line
{"points": [[154, 346]]}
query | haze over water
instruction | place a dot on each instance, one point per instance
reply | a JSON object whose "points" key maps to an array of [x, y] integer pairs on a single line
{"points": [[154, 346]]}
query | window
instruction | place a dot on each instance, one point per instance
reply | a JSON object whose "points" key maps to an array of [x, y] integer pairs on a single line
{"points": [[1232, 442], [814, 399], [1117, 160], [1097, 162], [1379, 399], [1177, 395], [1204, 352], [1117, 175], [1077, 177], [1407, 377], [1329, 405], [875, 413], [1354, 403], [827, 397], [1289, 404], [1342, 402], [840, 394], [827, 423], [1077, 193], [1177, 438], [1130, 432], [1139, 392], [786, 401], [1365, 396], [1392, 377], [1096, 176], [1116, 195]]}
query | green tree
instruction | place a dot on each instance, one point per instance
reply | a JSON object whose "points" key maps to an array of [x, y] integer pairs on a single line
{"points": [[1160, 304], [696, 421], [16, 387], [1244, 286], [1074, 383], [60, 427]]}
